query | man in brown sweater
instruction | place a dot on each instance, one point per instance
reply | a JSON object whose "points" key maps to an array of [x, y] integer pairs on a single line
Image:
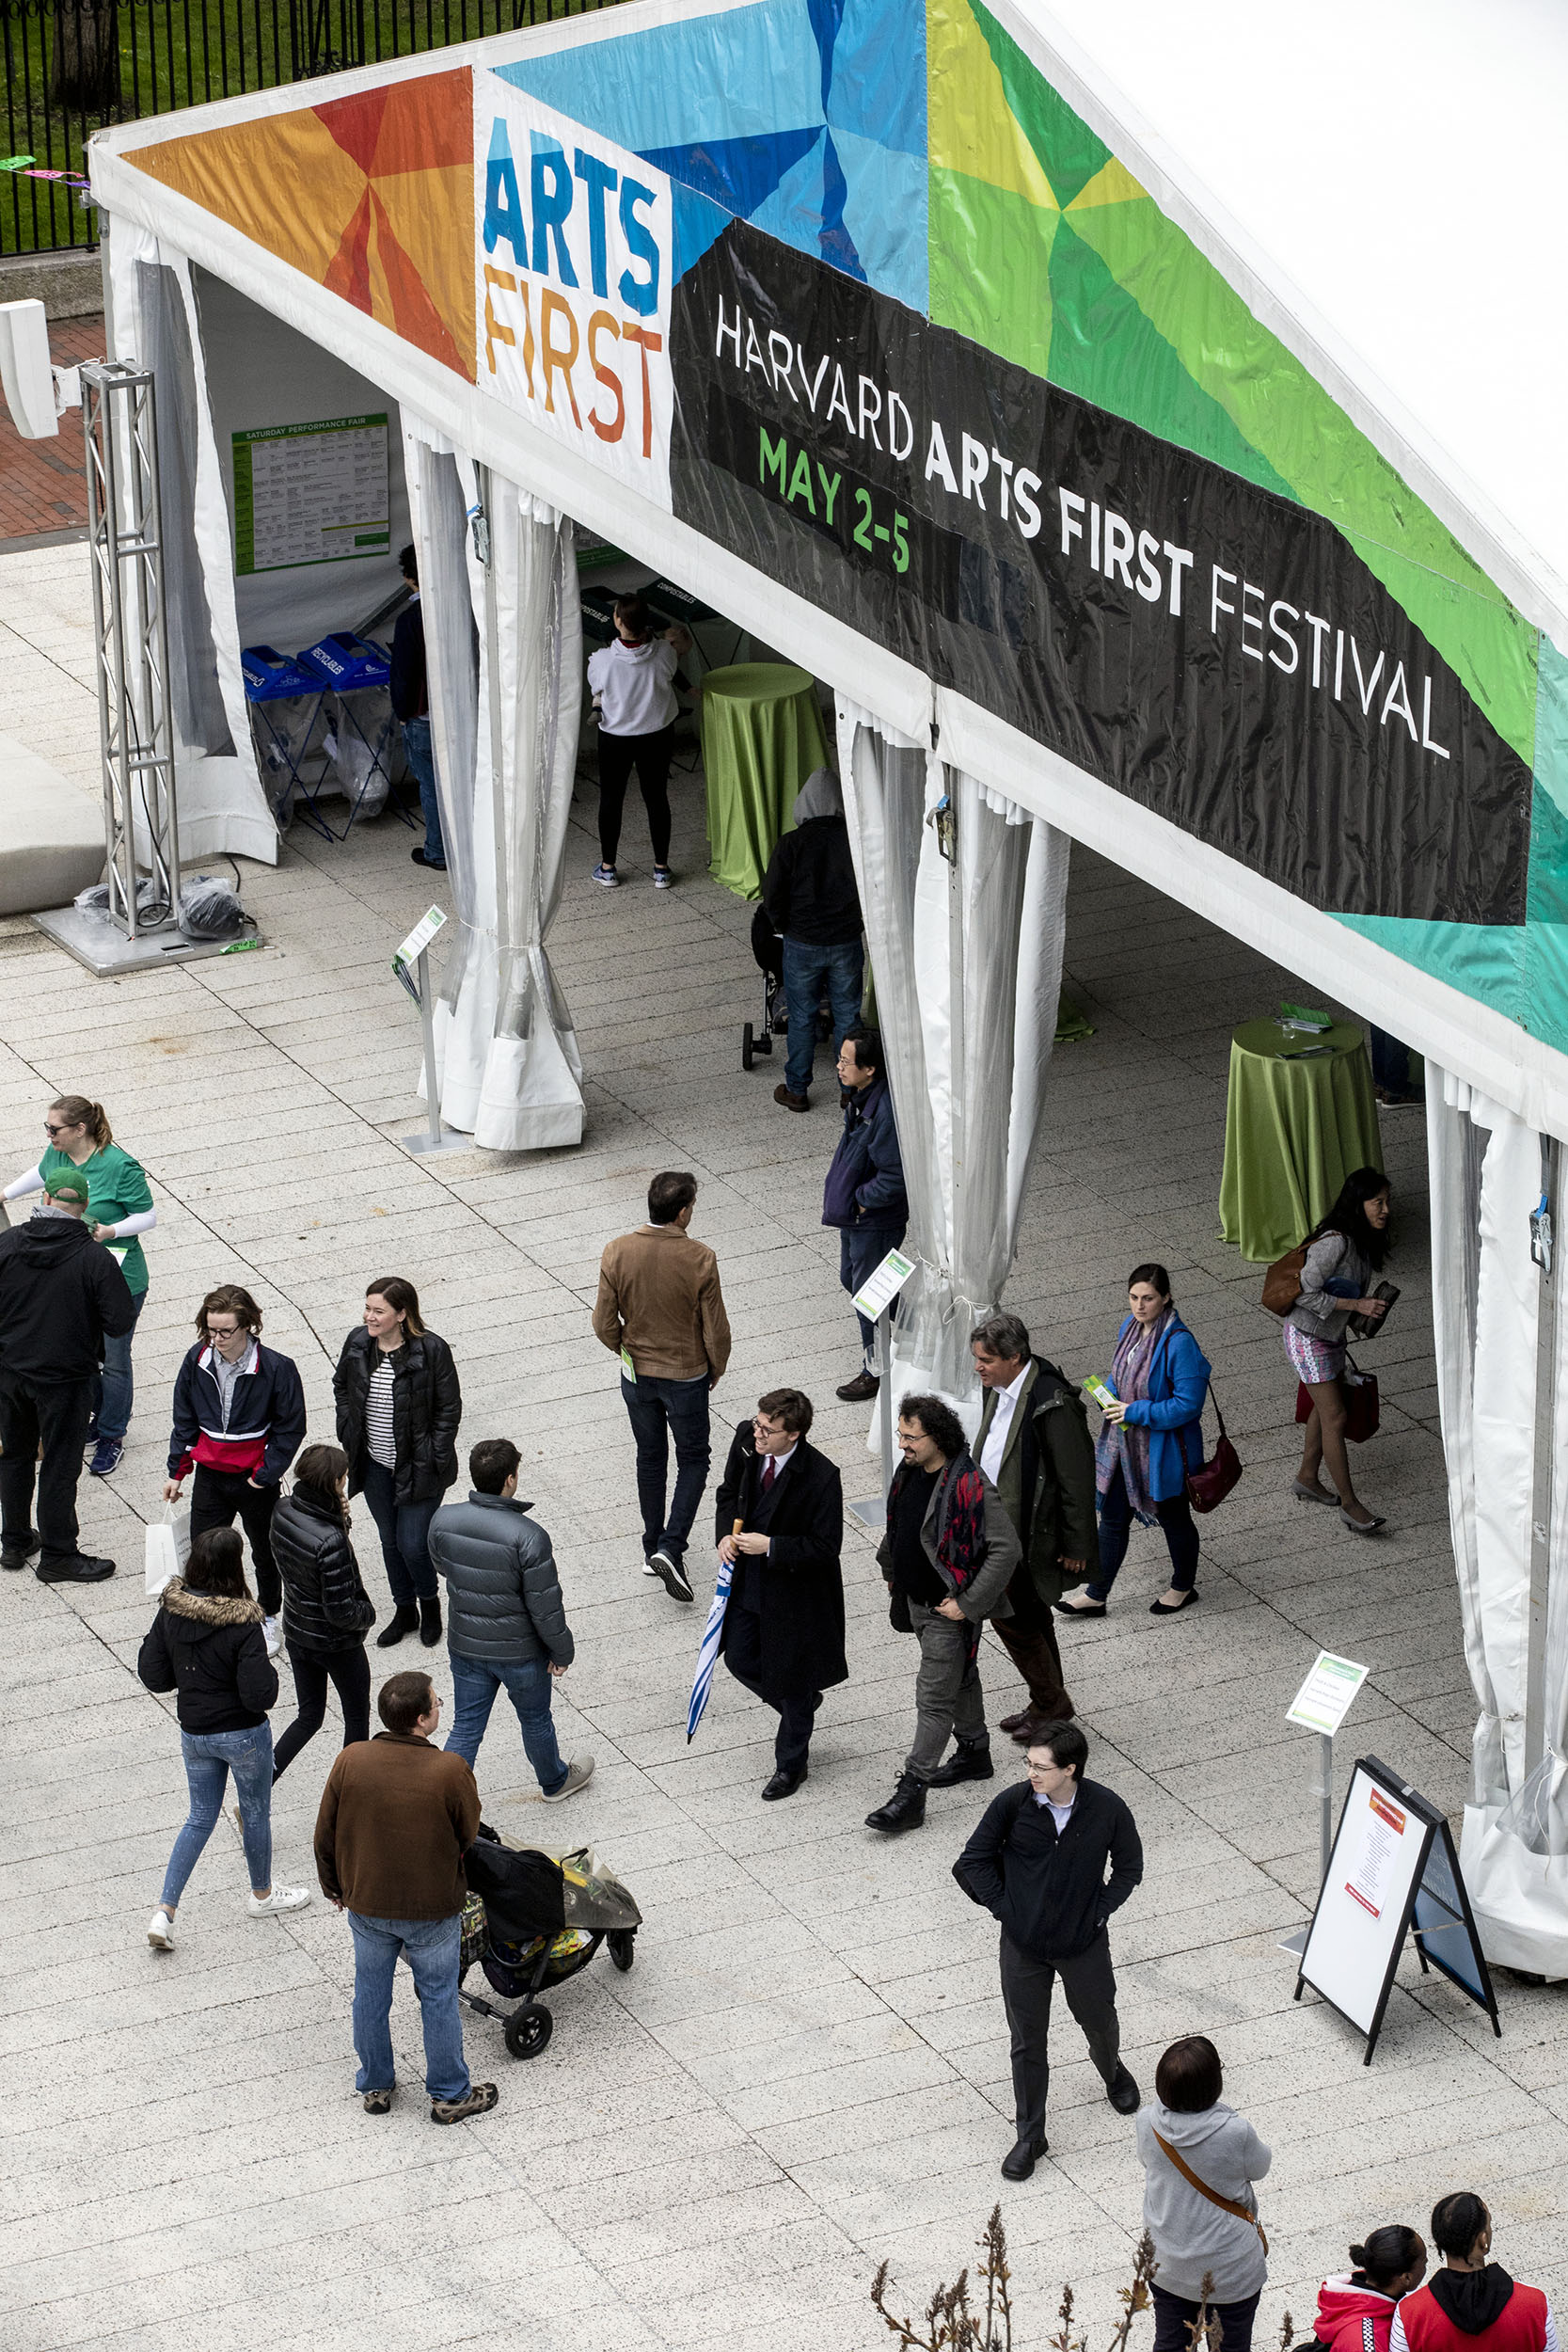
{"points": [[661, 1311], [397, 1816]]}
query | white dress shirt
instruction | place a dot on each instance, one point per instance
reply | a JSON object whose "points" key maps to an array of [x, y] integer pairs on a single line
{"points": [[1002, 1421]]}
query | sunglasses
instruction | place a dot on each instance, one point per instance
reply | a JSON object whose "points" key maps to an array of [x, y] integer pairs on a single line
{"points": [[50, 1128]]}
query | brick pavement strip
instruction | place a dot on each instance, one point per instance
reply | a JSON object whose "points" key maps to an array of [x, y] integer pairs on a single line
{"points": [[807, 2068]]}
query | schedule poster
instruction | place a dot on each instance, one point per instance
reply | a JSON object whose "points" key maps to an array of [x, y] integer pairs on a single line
{"points": [[311, 494]]}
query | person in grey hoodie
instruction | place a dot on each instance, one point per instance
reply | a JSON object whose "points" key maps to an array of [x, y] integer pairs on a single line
{"points": [[1201, 2161], [506, 1622]]}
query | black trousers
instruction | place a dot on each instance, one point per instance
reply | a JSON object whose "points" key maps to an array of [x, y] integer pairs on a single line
{"points": [[51, 1415], [1029, 1638], [349, 1673], [650, 755], [797, 1713], [216, 1496], [1174, 2316], [1090, 1985]]}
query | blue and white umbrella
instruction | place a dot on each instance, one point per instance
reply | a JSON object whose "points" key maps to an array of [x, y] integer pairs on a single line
{"points": [[707, 1657]]}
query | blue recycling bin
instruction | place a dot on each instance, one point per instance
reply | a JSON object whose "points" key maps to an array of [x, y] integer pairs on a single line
{"points": [[285, 722], [354, 677]]}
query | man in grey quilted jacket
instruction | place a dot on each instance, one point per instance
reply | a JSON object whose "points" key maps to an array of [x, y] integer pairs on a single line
{"points": [[506, 1623]]}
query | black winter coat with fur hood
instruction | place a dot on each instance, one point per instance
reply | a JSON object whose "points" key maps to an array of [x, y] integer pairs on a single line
{"points": [[213, 1653]]}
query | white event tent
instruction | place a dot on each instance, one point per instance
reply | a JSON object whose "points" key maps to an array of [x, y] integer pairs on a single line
{"points": [[1138, 416]]}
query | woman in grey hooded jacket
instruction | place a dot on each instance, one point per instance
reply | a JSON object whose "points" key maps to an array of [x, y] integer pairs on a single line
{"points": [[1201, 2161]]}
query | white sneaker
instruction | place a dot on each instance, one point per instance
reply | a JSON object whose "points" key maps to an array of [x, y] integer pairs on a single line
{"points": [[281, 1899], [272, 1633], [160, 1931], [579, 1773]]}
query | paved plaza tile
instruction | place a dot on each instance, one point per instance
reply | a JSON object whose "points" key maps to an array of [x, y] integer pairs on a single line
{"points": [[807, 2071]]}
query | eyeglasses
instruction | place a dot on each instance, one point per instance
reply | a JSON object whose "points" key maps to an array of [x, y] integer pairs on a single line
{"points": [[222, 1331], [50, 1129]]}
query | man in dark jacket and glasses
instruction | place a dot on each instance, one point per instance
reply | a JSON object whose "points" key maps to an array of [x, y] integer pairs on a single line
{"points": [[1037, 1864], [506, 1622]]}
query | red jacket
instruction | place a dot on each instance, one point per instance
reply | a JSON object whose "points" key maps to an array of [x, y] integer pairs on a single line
{"points": [[1519, 2327], [1352, 2318]]}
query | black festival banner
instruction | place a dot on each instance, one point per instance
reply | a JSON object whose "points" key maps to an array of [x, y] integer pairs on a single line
{"points": [[1215, 652]]}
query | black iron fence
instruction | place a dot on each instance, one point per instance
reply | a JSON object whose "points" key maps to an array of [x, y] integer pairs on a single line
{"points": [[72, 65]]}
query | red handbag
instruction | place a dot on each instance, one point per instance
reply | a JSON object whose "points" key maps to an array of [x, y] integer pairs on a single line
{"points": [[1361, 1404], [1209, 1485]]}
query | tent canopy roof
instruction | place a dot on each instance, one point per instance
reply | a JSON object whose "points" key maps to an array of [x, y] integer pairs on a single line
{"points": [[1399, 168]]}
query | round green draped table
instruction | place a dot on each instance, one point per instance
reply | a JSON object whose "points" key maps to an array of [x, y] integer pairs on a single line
{"points": [[762, 737], [1295, 1128]]}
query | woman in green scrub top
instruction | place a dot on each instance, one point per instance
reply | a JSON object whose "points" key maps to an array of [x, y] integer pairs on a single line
{"points": [[120, 1208]]}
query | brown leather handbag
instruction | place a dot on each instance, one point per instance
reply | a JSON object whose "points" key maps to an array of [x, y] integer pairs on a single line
{"points": [[1209, 1485], [1282, 1282], [1225, 2205]]}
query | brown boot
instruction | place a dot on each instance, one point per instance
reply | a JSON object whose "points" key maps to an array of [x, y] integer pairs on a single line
{"points": [[1031, 1726], [1014, 1723]]}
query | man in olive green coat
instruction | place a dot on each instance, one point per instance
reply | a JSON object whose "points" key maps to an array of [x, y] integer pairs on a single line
{"points": [[1035, 1446]]}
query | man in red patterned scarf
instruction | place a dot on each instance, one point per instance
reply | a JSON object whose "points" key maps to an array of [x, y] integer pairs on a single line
{"points": [[948, 1556]]}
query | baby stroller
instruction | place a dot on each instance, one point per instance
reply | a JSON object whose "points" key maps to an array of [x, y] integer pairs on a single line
{"points": [[530, 1921], [768, 948]]}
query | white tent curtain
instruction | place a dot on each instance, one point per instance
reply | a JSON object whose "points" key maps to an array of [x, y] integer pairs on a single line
{"points": [[221, 804], [1485, 1178], [504, 642], [967, 959]]}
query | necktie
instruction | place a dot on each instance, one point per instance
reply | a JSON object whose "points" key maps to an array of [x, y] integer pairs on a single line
{"points": [[769, 1473]]}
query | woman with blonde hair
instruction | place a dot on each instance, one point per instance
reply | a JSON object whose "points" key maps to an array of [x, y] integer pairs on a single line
{"points": [[120, 1211]]}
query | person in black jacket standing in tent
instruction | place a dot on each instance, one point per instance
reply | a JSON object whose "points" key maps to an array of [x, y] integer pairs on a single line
{"points": [[1037, 1864], [810, 898], [326, 1609], [410, 694], [783, 1628], [399, 1405], [60, 1298]]}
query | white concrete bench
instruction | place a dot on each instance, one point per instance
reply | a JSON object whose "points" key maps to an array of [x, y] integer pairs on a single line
{"points": [[51, 833]]}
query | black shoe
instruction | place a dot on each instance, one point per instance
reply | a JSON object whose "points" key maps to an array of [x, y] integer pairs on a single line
{"points": [[436, 864], [783, 1785], [405, 1618], [1020, 2161], [430, 1620], [81, 1568], [669, 1573], [970, 1760], [904, 1809], [16, 1555], [1123, 2092], [861, 1390]]}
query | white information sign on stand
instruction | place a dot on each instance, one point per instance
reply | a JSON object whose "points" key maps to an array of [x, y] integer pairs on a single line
{"points": [[413, 956], [420, 936], [1323, 1700], [882, 1287]]}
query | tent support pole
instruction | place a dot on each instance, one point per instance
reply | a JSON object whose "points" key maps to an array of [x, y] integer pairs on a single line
{"points": [[1542, 1483]]}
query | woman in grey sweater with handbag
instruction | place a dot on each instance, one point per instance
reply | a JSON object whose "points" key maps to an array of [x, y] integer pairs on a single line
{"points": [[1344, 1251], [1200, 2160]]}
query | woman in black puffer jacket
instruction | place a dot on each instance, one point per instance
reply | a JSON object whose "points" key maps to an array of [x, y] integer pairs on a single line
{"points": [[326, 1609], [206, 1643], [399, 1405]]}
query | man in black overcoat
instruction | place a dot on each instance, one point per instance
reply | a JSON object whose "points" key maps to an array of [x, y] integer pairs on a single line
{"points": [[783, 1628]]}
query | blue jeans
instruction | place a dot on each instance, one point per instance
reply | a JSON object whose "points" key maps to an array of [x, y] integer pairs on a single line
{"points": [[112, 1388], [657, 1411], [403, 1529], [421, 761], [209, 1758], [474, 1684], [861, 1252], [1115, 1526], [807, 971], [432, 1948]]}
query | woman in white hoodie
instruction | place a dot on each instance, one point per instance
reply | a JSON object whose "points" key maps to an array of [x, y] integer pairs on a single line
{"points": [[1200, 2160], [633, 685]]}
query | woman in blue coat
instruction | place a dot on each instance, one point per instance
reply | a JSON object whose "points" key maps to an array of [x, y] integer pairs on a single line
{"points": [[1151, 1437]]}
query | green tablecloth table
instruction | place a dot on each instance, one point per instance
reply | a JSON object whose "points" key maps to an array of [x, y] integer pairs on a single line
{"points": [[762, 737], [1294, 1129]]}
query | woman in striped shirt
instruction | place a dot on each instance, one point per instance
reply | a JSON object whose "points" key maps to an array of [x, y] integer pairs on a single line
{"points": [[398, 1405]]}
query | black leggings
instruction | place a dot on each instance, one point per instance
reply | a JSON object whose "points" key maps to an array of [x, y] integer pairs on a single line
{"points": [[650, 755], [349, 1672]]}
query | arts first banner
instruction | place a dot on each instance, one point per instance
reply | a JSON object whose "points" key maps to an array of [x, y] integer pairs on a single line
{"points": [[573, 263]]}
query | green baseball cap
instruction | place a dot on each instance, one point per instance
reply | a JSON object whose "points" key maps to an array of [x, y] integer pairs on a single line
{"points": [[66, 1184]]}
